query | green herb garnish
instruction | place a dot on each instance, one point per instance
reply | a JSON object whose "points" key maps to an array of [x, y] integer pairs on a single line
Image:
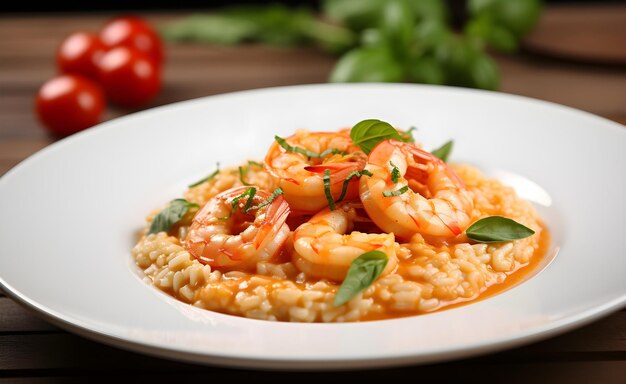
{"points": [[329, 196], [290, 148], [171, 215], [353, 174], [277, 191], [407, 136], [242, 173], [208, 178], [444, 151], [269, 23], [379, 41], [249, 192], [395, 173], [396, 192], [497, 228], [368, 133], [363, 271]]}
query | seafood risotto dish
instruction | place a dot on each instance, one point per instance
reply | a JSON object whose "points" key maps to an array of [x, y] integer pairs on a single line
{"points": [[352, 225]]}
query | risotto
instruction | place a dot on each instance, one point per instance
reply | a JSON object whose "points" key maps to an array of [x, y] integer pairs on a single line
{"points": [[331, 227]]}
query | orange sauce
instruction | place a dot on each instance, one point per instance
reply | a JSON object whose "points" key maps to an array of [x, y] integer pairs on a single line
{"points": [[514, 277]]}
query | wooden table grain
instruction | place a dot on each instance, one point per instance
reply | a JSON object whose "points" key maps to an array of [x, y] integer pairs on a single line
{"points": [[31, 350]]}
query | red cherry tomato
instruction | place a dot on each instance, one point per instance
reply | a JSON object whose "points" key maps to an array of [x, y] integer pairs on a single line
{"points": [[135, 33], [69, 103], [129, 78], [79, 54]]}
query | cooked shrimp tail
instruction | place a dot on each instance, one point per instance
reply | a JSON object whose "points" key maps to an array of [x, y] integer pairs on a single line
{"points": [[275, 216], [412, 191], [299, 164], [325, 246], [238, 228]]}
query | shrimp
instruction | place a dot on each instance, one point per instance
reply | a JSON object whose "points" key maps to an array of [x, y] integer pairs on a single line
{"points": [[226, 234], [427, 196], [323, 249], [302, 177]]}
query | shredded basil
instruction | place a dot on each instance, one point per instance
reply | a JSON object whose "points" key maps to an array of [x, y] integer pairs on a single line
{"points": [[368, 133], [277, 191], [396, 192], [496, 229], [329, 196], [407, 136], [250, 192], [363, 271], [242, 173], [344, 188], [290, 148], [208, 178], [171, 215], [395, 173], [444, 151]]}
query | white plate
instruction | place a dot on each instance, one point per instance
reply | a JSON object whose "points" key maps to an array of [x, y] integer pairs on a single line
{"points": [[70, 214]]}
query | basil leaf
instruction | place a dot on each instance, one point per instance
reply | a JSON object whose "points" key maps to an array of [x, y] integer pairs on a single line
{"points": [[517, 16], [397, 192], [483, 29], [250, 192], [290, 148], [356, 14], [426, 69], [373, 64], [242, 173], [497, 228], [344, 188], [395, 173], [332, 37], [444, 151], [208, 178], [276, 24], [277, 191], [407, 136], [329, 196], [363, 271], [397, 24], [171, 215], [483, 71], [368, 133], [220, 29]]}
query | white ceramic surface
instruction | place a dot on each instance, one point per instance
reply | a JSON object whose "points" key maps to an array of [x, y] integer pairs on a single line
{"points": [[70, 214]]}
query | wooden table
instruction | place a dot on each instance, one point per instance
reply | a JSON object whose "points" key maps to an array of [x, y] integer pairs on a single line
{"points": [[32, 350]]}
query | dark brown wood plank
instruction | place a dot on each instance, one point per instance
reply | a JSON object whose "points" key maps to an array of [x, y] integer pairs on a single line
{"points": [[73, 356], [5, 166], [589, 32], [12, 149], [606, 372], [16, 319]]}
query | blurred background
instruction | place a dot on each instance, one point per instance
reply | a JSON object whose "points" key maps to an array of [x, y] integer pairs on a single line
{"points": [[569, 52], [78, 5]]}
